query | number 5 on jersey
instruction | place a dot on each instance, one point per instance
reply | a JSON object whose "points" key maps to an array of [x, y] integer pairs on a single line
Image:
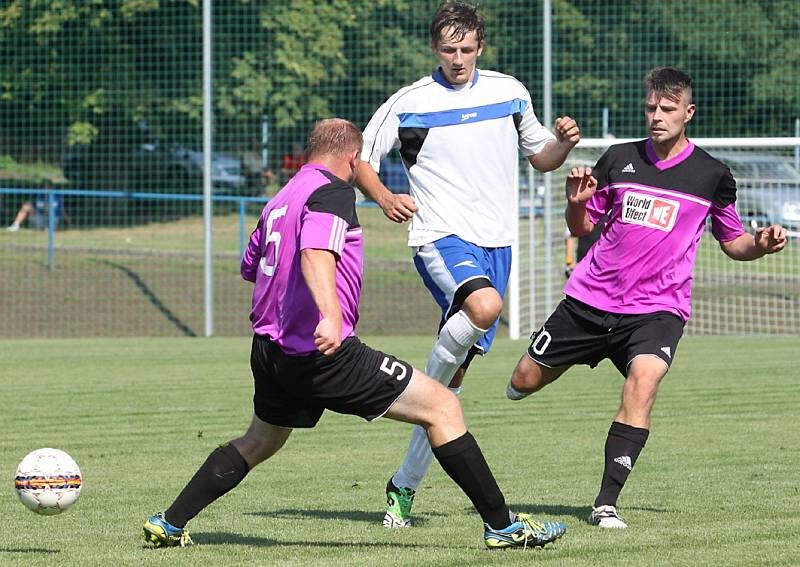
{"points": [[275, 237]]}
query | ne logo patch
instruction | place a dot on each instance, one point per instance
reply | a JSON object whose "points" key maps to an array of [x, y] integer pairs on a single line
{"points": [[646, 210]]}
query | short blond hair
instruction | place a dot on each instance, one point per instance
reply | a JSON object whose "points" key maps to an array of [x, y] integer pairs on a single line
{"points": [[333, 137]]}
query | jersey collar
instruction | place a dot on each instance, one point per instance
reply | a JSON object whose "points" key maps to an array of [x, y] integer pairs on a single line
{"points": [[667, 163], [438, 76]]}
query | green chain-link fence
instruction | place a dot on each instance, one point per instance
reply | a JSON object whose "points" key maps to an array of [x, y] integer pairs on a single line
{"points": [[101, 131]]}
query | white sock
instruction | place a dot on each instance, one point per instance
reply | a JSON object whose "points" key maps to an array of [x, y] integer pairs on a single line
{"points": [[455, 339], [418, 458]]}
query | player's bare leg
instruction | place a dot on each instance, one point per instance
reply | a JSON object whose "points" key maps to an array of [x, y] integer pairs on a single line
{"points": [[261, 441], [627, 436], [430, 405], [645, 373], [530, 377]]}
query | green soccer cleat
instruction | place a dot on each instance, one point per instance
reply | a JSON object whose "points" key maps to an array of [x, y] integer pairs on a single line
{"points": [[398, 512], [161, 533], [524, 533]]}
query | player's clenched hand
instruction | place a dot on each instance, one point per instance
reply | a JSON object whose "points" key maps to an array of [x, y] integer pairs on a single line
{"points": [[328, 336], [567, 131], [398, 208], [771, 239], [580, 185]]}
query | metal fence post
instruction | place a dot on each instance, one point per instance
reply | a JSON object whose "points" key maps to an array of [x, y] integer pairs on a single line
{"points": [[51, 229], [242, 227]]}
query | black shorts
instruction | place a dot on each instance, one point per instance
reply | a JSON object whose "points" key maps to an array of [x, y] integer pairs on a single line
{"points": [[293, 391], [577, 333]]}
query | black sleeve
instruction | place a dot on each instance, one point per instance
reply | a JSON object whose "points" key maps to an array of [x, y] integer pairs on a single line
{"points": [[725, 193], [337, 198], [602, 167]]}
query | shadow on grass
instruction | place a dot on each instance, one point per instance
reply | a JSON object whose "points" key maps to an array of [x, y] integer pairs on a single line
{"points": [[227, 538], [27, 550], [375, 518], [555, 511], [151, 297]]}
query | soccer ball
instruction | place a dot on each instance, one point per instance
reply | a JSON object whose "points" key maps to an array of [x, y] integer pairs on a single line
{"points": [[48, 481]]}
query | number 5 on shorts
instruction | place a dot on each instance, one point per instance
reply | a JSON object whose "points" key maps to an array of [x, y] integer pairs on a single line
{"points": [[390, 370]]}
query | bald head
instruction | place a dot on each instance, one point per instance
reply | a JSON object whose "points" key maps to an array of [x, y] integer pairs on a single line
{"points": [[333, 137]]}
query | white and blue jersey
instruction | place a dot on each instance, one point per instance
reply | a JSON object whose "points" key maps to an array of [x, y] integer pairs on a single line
{"points": [[460, 146]]}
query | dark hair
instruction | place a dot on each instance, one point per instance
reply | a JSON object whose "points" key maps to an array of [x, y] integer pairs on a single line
{"points": [[460, 17], [333, 136], [668, 82]]}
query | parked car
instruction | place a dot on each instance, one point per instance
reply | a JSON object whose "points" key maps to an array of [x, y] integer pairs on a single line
{"points": [[768, 189], [226, 171], [150, 167], [126, 155]]}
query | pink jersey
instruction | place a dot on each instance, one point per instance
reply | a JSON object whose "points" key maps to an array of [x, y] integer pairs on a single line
{"points": [[657, 213], [315, 210]]}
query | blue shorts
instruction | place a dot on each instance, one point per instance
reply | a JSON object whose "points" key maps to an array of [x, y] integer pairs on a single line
{"points": [[450, 262]]}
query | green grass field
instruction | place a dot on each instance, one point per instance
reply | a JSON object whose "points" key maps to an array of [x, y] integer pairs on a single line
{"points": [[716, 485]]}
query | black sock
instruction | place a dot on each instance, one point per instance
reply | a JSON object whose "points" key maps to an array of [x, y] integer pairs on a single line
{"points": [[623, 445], [463, 461], [223, 470]]}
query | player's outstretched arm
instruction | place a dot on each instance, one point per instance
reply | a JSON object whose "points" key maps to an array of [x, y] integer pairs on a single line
{"points": [[753, 246], [555, 153], [580, 186], [398, 208], [319, 271]]}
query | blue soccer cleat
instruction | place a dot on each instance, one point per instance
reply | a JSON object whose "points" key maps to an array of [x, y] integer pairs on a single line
{"points": [[161, 533], [524, 533]]}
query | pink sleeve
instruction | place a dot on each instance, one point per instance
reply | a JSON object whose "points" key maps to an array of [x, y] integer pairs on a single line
{"points": [[252, 254], [323, 231], [597, 206], [725, 223]]}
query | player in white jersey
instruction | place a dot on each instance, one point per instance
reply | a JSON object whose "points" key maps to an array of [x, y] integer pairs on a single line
{"points": [[459, 132]]}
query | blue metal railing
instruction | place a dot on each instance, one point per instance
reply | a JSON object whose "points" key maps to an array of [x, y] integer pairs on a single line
{"points": [[54, 194]]}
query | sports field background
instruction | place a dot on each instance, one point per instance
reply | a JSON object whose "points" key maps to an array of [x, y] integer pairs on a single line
{"points": [[716, 485], [119, 84]]}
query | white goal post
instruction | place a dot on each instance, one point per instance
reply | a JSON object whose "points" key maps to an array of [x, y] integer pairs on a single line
{"points": [[729, 297]]}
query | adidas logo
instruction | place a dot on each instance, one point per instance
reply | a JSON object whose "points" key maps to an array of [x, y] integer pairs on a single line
{"points": [[625, 461], [628, 169], [666, 350]]}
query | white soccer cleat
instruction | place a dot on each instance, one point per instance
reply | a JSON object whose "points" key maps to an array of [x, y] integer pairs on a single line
{"points": [[606, 517]]}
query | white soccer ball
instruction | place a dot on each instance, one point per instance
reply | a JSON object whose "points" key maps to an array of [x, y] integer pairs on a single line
{"points": [[48, 481]]}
